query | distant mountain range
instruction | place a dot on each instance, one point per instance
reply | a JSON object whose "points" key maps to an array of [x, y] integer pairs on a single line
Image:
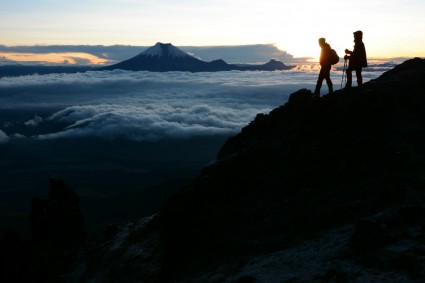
{"points": [[163, 57]]}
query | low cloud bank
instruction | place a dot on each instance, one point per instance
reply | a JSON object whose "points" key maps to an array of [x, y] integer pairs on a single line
{"points": [[147, 122], [3, 137], [145, 106], [141, 106]]}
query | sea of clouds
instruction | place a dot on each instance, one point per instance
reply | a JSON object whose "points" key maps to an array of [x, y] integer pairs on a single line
{"points": [[147, 106]]}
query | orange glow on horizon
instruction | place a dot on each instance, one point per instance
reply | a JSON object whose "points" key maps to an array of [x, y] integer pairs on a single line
{"points": [[71, 58]]}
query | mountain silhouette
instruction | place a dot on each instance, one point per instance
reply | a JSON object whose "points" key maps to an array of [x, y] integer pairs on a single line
{"points": [[163, 57]]}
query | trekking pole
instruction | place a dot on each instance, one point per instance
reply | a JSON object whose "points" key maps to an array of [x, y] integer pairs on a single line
{"points": [[343, 71]]}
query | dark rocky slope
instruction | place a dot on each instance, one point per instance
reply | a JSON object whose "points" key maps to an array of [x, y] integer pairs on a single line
{"points": [[308, 166]]}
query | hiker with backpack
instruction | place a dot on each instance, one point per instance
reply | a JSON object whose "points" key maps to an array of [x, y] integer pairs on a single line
{"points": [[357, 59], [328, 57]]}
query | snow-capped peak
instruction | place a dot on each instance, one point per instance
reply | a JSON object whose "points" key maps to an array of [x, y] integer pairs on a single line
{"points": [[164, 50]]}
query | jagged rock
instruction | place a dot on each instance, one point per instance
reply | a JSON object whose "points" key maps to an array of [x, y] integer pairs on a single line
{"points": [[58, 220], [58, 233], [369, 235], [57, 237], [129, 253], [300, 97]]}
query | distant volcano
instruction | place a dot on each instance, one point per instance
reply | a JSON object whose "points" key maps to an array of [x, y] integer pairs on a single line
{"points": [[165, 50], [163, 57]]}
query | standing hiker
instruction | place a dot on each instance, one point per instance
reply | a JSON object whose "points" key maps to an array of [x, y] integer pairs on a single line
{"points": [[357, 59], [325, 66]]}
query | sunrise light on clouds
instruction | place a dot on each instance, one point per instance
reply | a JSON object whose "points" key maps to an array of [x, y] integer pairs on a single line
{"points": [[56, 58]]}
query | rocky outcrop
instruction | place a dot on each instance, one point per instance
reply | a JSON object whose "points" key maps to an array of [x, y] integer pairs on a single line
{"points": [[57, 220], [307, 166], [128, 253], [58, 236]]}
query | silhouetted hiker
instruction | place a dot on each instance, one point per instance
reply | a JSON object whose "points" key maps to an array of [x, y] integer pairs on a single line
{"points": [[357, 59], [325, 67]]}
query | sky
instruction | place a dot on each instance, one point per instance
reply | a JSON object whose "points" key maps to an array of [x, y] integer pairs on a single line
{"points": [[392, 28]]}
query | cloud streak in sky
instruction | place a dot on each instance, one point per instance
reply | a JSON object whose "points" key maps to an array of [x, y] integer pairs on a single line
{"points": [[72, 58]]}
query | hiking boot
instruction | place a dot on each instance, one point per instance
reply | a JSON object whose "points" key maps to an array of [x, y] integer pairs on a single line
{"points": [[317, 90]]}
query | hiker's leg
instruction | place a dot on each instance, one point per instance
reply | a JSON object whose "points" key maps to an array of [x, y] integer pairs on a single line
{"points": [[359, 76], [328, 79], [330, 86], [349, 77], [319, 81]]}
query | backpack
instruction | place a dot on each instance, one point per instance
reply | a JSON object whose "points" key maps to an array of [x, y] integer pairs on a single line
{"points": [[333, 58]]}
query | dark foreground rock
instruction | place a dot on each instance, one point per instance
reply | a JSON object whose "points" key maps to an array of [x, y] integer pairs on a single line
{"points": [[58, 239]]}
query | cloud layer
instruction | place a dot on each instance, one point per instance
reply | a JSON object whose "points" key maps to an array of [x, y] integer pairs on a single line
{"points": [[144, 106], [3, 137]]}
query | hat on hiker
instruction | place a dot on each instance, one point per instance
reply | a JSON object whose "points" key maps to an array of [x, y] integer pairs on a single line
{"points": [[358, 33]]}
